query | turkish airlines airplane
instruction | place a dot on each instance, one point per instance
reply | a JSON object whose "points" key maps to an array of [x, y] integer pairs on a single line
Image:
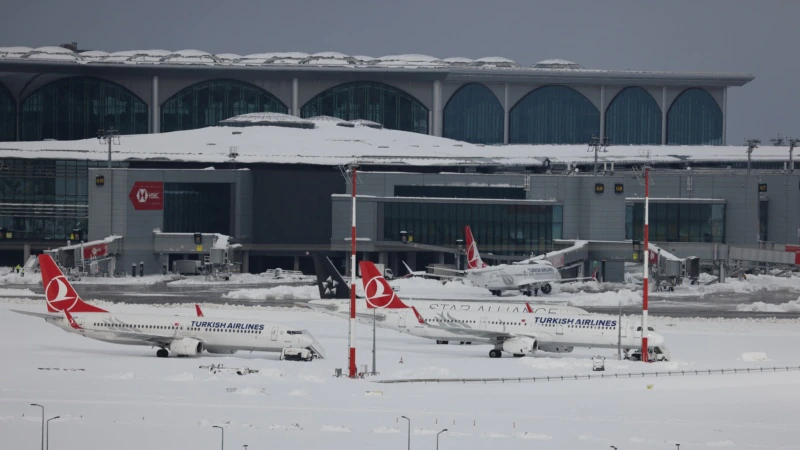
{"points": [[528, 278], [171, 334], [335, 295], [515, 333]]}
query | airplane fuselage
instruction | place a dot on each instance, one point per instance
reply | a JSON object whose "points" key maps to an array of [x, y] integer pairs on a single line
{"points": [[513, 276]]}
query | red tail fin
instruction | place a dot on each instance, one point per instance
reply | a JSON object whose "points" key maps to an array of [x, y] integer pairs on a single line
{"points": [[59, 293], [474, 260], [199, 311], [378, 292]]}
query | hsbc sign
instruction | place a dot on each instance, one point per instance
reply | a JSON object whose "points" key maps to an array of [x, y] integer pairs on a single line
{"points": [[147, 195]]}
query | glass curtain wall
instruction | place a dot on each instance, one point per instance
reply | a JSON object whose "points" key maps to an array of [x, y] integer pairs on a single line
{"points": [[694, 118], [381, 103], [76, 108], [677, 222], [474, 114], [197, 208], [8, 115], [460, 192], [45, 199], [553, 115], [500, 229], [633, 117], [205, 104]]}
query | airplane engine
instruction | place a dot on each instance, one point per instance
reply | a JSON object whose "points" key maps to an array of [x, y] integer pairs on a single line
{"points": [[220, 351], [556, 348], [519, 345], [186, 347]]}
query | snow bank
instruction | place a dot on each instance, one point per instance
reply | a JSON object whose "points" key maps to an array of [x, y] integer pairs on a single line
{"points": [[17, 293], [335, 429], [534, 436], [792, 306], [8, 276], [275, 293], [386, 430], [754, 356], [299, 393]]}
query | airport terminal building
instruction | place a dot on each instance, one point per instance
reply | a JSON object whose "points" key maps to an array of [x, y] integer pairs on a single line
{"points": [[440, 143]]}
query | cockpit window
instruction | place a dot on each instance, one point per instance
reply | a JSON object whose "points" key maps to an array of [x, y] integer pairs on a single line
{"points": [[648, 329]]}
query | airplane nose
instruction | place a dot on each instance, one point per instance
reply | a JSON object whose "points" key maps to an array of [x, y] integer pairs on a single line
{"points": [[656, 339]]}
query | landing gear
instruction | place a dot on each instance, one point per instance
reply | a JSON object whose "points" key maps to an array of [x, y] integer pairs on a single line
{"points": [[162, 353], [497, 293], [495, 353], [547, 288], [442, 342], [518, 355]]}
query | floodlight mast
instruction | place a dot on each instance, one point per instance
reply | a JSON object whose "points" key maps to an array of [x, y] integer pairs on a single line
{"points": [[108, 137], [594, 145], [646, 260], [353, 272], [752, 144]]}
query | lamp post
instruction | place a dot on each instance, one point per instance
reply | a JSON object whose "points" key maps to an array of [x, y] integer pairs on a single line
{"points": [[48, 430], [409, 431], [437, 438], [245, 446], [40, 406], [222, 447]]}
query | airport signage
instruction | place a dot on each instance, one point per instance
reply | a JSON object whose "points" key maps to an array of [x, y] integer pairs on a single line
{"points": [[762, 187], [599, 188], [619, 188], [147, 195], [95, 251]]}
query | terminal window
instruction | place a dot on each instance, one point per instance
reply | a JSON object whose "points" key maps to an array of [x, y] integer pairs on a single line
{"points": [[514, 193], [499, 229], [677, 222], [197, 207]]}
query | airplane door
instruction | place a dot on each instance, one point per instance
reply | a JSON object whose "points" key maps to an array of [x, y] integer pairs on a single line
{"points": [[560, 329], [401, 319], [483, 323], [624, 331], [274, 334]]}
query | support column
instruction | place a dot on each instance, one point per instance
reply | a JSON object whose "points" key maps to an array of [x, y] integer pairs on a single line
{"points": [[440, 258], [505, 113], [438, 110], [155, 125], [603, 111], [19, 119], [664, 110], [246, 261], [412, 260], [26, 253], [296, 263], [383, 258], [725, 116], [295, 97]]}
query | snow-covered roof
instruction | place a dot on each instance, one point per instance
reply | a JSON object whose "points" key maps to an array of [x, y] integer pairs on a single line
{"points": [[267, 118], [330, 144], [495, 65]]}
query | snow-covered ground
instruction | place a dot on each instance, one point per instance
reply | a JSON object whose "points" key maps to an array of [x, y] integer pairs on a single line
{"points": [[128, 397]]}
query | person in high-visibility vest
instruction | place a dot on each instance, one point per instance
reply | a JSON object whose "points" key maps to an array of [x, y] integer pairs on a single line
{"points": [[18, 268]]}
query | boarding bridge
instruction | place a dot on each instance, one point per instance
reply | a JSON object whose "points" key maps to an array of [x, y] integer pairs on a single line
{"points": [[216, 256], [93, 258]]}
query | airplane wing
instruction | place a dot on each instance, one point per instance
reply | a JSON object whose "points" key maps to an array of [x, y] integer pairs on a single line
{"points": [[498, 336], [145, 337], [37, 314]]}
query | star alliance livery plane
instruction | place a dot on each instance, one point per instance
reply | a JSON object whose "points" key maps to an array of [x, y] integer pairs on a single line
{"points": [[171, 334], [517, 333]]}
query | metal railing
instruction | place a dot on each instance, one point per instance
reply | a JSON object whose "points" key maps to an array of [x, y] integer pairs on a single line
{"points": [[667, 374]]}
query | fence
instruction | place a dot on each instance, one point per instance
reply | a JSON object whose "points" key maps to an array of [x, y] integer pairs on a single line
{"points": [[596, 376]]}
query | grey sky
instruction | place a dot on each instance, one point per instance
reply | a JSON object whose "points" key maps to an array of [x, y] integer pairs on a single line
{"points": [[759, 36]]}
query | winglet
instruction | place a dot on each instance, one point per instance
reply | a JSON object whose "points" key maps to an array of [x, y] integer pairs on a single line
{"points": [[419, 316], [378, 292], [528, 307], [410, 272], [71, 320], [474, 260], [199, 311], [60, 294]]}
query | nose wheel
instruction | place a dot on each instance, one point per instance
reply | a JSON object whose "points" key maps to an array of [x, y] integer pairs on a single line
{"points": [[495, 353]]}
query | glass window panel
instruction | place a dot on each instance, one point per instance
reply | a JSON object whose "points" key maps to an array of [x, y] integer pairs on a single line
{"points": [[694, 118], [474, 114], [8, 115], [553, 115], [633, 117]]}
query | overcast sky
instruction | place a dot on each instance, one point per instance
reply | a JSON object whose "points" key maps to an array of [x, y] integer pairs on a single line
{"points": [[760, 37]]}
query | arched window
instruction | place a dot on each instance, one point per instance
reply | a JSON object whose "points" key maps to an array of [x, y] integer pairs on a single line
{"points": [[8, 115], [553, 115], [378, 102], [473, 114], [205, 104], [75, 108], [633, 117], [694, 118]]}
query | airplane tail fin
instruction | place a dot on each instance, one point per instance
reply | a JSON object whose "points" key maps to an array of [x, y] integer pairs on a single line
{"points": [[198, 310], [329, 280], [60, 294], [474, 260], [379, 293]]}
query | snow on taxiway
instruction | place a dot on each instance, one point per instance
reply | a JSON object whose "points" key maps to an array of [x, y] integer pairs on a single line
{"points": [[127, 397]]}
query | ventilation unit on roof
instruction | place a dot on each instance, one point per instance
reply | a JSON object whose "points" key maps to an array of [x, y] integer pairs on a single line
{"points": [[267, 119], [366, 123]]}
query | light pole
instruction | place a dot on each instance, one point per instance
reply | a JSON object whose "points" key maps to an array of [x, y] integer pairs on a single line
{"points": [[40, 406], [752, 144], [245, 446], [409, 431], [594, 145], [48, 430], [437, 438], [223, 436]]}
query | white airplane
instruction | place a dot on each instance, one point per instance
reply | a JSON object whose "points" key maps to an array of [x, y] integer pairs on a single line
{"points": [[515, 333], [528, 278], [172, 334]]}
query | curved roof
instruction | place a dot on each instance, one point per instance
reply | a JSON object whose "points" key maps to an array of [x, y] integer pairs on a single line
{"points": [[557, 64]]}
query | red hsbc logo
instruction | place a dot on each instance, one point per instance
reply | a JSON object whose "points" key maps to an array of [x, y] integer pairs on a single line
{"points": [[96, 251], [147, 195]]}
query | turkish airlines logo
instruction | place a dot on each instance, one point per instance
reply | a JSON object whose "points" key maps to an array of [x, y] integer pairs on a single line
{"points": [[377, 297], [58, 294]]}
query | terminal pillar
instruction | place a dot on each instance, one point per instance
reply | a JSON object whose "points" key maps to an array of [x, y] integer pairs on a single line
{"points": [[412, 260], [383, 258], [155, 126], [246, 261], [26, 253], [296, 263], [440, 258]]}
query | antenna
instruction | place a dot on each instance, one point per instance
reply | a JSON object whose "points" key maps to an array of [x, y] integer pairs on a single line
{"points": [[594, 144], [109, 136], [778, 141]]}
